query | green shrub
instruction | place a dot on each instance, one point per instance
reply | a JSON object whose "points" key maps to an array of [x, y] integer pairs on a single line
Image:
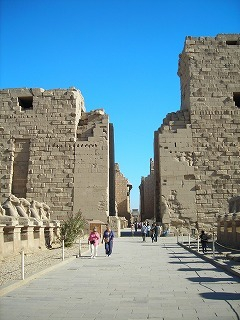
{"points": [[72, 228]]}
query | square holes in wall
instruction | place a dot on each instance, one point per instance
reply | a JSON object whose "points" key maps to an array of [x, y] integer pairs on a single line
{"points": [[236, 99], [26, 103], [232, 42]]}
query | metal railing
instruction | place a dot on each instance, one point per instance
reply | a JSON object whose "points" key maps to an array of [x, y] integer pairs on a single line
{"points": [[195, 238]]}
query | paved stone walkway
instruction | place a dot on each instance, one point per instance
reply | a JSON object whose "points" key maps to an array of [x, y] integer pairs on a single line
{"points": [[139, 281]]}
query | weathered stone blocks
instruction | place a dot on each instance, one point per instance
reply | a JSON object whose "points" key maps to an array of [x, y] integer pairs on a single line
{"points": [[210, 75], [58, 168]]}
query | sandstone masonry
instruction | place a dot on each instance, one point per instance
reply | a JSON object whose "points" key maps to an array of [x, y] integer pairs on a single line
{"points": [[147, 192], [53, 151], [122, 193], [196, 151]]}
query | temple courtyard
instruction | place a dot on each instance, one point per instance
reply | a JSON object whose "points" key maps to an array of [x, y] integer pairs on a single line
{"points": [[141, 280]]}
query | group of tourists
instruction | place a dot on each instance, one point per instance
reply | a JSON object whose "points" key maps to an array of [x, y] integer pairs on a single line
{"points": [[94, 240], [153, 231]]}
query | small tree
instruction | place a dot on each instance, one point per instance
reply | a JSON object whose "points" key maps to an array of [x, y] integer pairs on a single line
{"points": [[72, 227]]}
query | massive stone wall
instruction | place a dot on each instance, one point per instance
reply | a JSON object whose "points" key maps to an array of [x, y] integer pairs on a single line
{"points": [[91, 178], [198, 146], [176, 171], [52, 151], [214, 84], [122, 193], [147, 192]]}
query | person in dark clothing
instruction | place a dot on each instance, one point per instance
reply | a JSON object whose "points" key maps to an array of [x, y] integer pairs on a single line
{"points": [[144, 231], [152, 232], [157, 231], [136, 226], [148, 229], [108, 236], [204, 239]]}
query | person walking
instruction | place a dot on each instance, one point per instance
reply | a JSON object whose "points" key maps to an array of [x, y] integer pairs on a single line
{"points": [[144, 231], [157, 232], [148, 229], [153, 232], [132, 229], [93, 240], [204, 239], [136, 227], [108, 236]]}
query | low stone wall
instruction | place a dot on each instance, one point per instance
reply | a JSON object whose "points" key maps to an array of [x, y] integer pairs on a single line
{"points": [[30, 237], [228, 230]]}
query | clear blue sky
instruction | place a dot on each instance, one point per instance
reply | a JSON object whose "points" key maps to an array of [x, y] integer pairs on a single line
{"points": [[121, 54]]}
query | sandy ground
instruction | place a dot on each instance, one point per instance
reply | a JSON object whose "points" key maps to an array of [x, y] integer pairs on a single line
{"points": [[10, 268]]}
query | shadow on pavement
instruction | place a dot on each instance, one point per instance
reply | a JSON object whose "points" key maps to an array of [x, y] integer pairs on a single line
{"points": [[196, 269], [183, 262], [169, 247], [183, 257], [210, 279], [220, 296]]}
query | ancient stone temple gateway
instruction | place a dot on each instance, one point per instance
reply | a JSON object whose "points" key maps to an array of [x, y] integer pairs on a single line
{"points": [[53, 151], [196, 154], [55, 154]]}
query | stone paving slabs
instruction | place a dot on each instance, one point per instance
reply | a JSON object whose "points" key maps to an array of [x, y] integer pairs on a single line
{"points": [[139, 281]]}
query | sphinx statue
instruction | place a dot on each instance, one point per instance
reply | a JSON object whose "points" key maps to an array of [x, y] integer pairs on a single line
{"points": [[45, 211], [41, 211], [18, 208], [23, 208], [34, 209], [10, 206]]}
